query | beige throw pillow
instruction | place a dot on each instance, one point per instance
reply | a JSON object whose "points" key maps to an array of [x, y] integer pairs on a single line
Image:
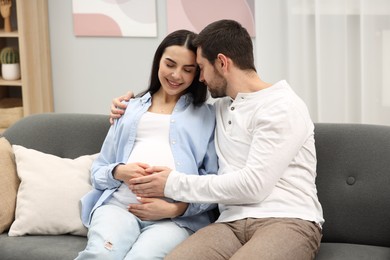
{"points": [[48, 199], [9, 183]]}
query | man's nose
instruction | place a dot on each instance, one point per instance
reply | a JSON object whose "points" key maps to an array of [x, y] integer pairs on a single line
{"points": [[201, 78]]}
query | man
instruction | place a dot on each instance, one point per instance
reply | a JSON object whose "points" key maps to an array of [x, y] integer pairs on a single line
{"points": [[264, 139]]}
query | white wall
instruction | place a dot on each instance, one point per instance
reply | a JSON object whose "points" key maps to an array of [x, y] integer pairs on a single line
{"points": [[89, 71]]}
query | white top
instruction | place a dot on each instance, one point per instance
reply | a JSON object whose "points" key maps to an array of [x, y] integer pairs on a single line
{"points": [[152, 147], [267, 159]]}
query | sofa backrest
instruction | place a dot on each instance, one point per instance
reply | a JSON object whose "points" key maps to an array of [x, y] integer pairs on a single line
{"points": [[64, 135], [353, 182]]}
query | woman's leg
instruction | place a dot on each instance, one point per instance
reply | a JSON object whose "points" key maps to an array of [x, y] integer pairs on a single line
{"points": [[112, 232], [157, 239]]}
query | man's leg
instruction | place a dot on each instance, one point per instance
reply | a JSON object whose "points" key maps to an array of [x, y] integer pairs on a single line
{"points": [[216, 241], [280, 238]]}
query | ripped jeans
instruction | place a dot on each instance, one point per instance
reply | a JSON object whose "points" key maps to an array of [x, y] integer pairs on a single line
{"points": [[115, 233]]}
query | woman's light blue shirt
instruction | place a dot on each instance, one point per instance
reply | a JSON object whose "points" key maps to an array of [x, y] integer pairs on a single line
{"points": [[191, 137]]}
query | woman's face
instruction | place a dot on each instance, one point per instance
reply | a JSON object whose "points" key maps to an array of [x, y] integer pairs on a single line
{"points": [[177, 70]]}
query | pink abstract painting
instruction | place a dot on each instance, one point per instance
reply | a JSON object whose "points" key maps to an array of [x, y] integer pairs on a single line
{"points": [[115, 18], [195, 15]]}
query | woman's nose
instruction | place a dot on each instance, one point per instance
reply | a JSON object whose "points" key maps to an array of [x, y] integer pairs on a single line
{"points": [[176, 74]]}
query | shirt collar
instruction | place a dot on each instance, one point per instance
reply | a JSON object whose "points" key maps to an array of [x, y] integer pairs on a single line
{"points": [[146, 98], [183, 101]]}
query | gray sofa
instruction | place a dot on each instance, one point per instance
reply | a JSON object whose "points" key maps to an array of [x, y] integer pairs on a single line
{"points": [[353, 184]]}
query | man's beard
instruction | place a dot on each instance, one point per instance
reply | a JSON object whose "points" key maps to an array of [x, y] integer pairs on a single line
{"points": [[217, 88], [217, 93]]}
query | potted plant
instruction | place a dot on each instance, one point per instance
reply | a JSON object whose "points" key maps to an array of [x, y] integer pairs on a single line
{"points": [[10, 67]]}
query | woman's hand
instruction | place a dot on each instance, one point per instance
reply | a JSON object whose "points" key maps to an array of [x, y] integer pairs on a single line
{"points": [[126, 172], [156, 209], [117, 107]]}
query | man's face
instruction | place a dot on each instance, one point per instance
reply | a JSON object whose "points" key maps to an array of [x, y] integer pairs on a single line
{"points": [[210, 75]]}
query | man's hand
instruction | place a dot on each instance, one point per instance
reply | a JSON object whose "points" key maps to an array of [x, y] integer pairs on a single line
{"points": [[117, 107], [152, 185], [156, 209], [126, 172]]}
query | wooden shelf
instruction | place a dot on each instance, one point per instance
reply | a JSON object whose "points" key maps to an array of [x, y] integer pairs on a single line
{"points": [[4, 34], [30, 34], [4, 82]]}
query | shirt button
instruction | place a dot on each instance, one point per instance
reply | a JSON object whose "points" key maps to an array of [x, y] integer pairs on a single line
{"points": [[173, 142], [173, 121], [178, 163], [232, 108], [229, 122]]}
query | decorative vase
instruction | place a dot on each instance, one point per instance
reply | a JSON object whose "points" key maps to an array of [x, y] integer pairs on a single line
{"points": [[10, 71]]}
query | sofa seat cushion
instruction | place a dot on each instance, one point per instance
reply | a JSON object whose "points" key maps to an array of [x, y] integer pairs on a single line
{"points": [[337, 251], [41, 247]]}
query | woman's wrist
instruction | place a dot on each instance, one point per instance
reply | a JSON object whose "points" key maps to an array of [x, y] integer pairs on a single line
{"points": [[180, 208], [116, 172]]}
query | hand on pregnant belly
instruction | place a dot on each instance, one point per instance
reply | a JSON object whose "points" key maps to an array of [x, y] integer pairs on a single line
{"points": [[156, 209], [126, 172]]}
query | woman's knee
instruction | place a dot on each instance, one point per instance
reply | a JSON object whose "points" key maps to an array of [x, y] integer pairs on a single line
{"points": [[111, 234], [152, 246]]}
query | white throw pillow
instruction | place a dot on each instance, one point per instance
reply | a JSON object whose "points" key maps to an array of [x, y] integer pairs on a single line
{"points": [[48, 199]]}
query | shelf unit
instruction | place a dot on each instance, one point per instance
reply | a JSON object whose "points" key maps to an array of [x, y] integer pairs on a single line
{"points": [[32, 93]]}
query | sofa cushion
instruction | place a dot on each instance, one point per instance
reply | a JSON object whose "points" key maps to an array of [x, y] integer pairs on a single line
{"points": [[344, 251], [41, 247], [64, 135], [9, 183], [49, 193], [353, 177]]}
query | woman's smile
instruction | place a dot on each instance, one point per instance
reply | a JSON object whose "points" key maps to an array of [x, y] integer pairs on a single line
{"points": [[174, 84]]}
